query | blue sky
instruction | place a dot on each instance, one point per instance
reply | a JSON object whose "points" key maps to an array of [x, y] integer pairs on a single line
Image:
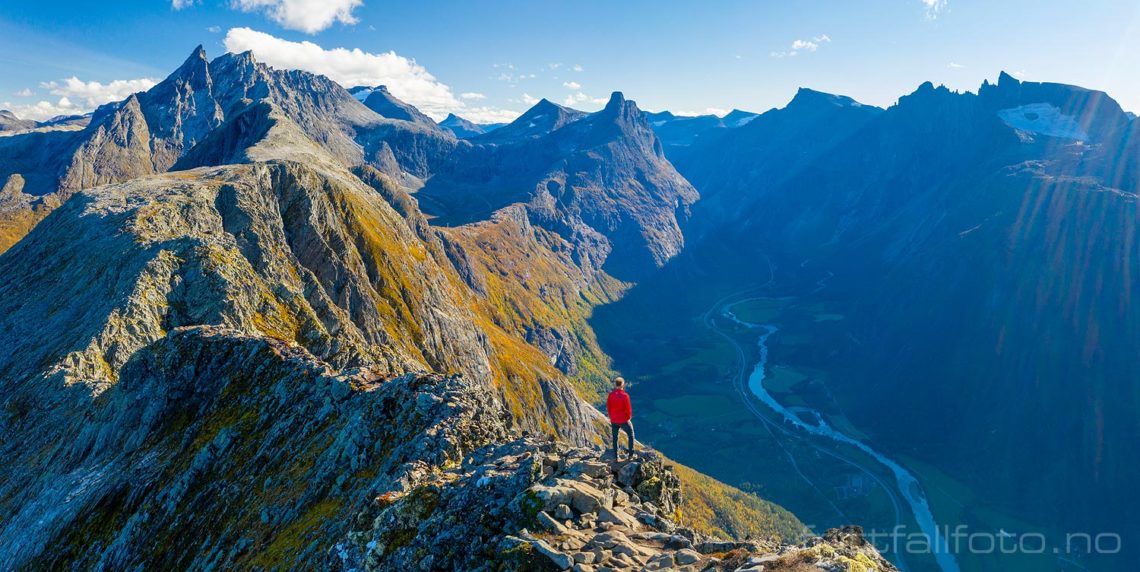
{"points": [[489, 60]]}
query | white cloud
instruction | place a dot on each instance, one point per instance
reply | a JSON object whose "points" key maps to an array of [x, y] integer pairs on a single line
{"points": [[554, 66], [77, 97], [405, 78], [529, 99], [93, 93], [799, 46], [1019, 74], [214, 29], [572, 85], [934, 7], [42, 110], [956, 66], [472, 95], [180, 4], [576, 67], [309, 16]]}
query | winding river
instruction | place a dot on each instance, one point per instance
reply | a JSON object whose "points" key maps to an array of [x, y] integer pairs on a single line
{"points": [[908, 485]]}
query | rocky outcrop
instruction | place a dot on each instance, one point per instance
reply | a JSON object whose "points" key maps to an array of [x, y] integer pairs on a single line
{"points": [[536, 504], [249, 438]]}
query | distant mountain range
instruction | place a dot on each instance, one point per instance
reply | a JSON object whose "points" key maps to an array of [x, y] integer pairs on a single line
{"points": [[982, 249]]}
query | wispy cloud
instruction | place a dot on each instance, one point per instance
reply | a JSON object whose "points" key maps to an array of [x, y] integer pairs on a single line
{"points": [[576, 67], [42, 110], [472, 95], [800, 46], [954, 65], [214, 29], [573, 85], [180, 4], [26, 92], [529, 99]]}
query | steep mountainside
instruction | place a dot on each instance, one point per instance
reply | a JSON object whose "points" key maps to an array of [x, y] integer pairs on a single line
{"points": [[380, 100], [247, 341], [599, 180], [981, 251]]}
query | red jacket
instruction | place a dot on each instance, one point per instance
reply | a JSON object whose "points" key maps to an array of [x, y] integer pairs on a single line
{"points": [[618, 406]]}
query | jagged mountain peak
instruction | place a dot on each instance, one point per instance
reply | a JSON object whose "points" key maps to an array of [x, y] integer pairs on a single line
{"points": [[542, 118], [617, 98], [194, 71], [620, 108], [381, 100]]}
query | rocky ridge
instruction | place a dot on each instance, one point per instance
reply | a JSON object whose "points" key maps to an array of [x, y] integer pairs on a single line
{"points": [[537, 504]]}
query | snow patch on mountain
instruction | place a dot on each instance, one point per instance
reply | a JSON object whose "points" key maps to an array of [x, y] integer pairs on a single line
{"points": [[742, 121], [1043, 119]]}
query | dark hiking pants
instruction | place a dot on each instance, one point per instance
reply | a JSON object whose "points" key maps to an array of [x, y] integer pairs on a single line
{"points": [[628, 428]]}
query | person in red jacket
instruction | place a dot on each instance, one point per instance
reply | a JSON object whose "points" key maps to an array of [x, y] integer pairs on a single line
{"points": [[621, 411]]}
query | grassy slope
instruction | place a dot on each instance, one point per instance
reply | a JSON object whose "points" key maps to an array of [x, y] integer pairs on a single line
{"points": [[529, 285]]}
